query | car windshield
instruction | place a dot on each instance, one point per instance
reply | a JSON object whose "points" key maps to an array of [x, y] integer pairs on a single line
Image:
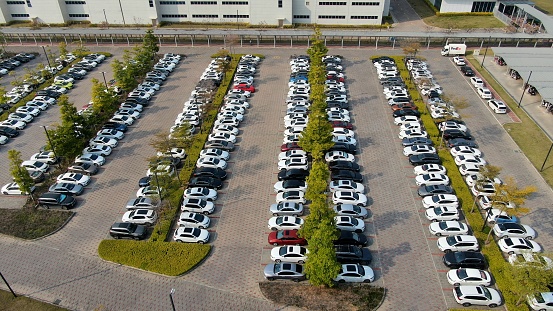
{"points": [[462, 274], [487, 293], [451, 240], [283, 251], [278, 267], [357, 251], [442, 225], [357, 209], [438, 211], [458, 291], [198, 217]]}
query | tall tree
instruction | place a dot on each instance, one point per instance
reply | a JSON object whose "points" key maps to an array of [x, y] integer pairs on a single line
{"points": [[486, 174], [321, 266], [317, 181], [529, 279], [317, 136], [20, 174], [62, 46]]}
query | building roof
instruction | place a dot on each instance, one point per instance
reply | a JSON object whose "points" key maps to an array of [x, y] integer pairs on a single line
{"points": [[535, 60]]}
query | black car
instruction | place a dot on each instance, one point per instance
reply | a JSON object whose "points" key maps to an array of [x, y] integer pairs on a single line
{"points": [[54, 199], [435, 189], [208, 182], [293, 183], [137, 100], [48, 93], [337, 104], [144, 181], [115, 125], [214, 172], [343, 165], [406, 112], [351, 238], [456, 260], [433, 94], [344, 147], [455, 133], [461, 142], [467, 71], [127, 230], [345, 175], [8, 131], [75, 75], [408, 142], [294, 173], [424, 158], [352, 254]]}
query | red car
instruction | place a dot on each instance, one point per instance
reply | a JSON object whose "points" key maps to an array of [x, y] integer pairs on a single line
{"points": [[290, 146], [402, 106], [335, 77], [245, 87], [343, 124], [286, 237]]}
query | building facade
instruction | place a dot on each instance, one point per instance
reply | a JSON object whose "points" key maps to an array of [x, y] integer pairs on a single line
{"points": [[454, 6], [253, 12]]}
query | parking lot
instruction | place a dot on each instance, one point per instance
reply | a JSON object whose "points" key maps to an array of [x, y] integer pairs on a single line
{"points": [[65, 265]]}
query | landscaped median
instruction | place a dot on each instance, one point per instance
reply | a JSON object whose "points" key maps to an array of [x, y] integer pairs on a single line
{"points": [[498, 266]]}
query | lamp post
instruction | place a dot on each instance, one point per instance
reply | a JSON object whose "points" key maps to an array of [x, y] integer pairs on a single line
{"points": [[122, 15], [106, 18], [51, 144], [11, 290], [171, 298], [485, 53], [546, 157], [488, 213], [46, 54], [104, 75], [524, 86]]}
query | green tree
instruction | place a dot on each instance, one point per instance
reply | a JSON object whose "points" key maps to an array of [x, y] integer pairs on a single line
{"points": [[486, 174], [105, 101], [317, 136], [20, 174], [63, 49], [81, 50], [318, 211], [530, 279], [317, 181], [321, 266], [150, 43]]}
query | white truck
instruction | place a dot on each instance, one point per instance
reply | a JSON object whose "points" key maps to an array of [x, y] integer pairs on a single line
{"points": [[454, 49]]}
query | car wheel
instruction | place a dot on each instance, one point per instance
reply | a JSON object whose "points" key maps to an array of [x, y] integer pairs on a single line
{"points": [[447, 251], [275, 214], [200, 242], [342, 281], [456, 284], [201, 227], [277, 260], [434, 220], [511, 252], [270, 279], [4, 193], [296, 280], [301, 262], [438, 234], [205, 213], [361, 217], [528, 238], [493, 305], [358, 231], [366, 281], [466, 304], [274, 229], [275, 244]]}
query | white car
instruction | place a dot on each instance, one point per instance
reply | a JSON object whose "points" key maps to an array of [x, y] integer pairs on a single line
{"points": [[452, 125], [351, 210], [20, 116], [285, 223], [468, 295], [514, 230], [349, 223], [440, 200], [211, 162], [486, 202], [301, 122], [339, 156], [469, 276], [29, 110], [214, 152], [300, 163], [294, 196], [222, 136], [336, 116], [459, 61], [74, 178], [161, 169], [540, 301], [448, 228], [485, 93], [148, 191], [418, 149], [477, 82], [140, 216], [465, 150], [411, 126], [346, 185], [518, 246], [104, 141], [191, 235], [47, 157], [432, 179], [429, 168], [439, 113], [13, 188], [355, 273], [14, 124], [471, 159], [497, 106], [200, 193], [484, 189], [33, 165], [292, 154], [442, 213], [469, 169], [232, 114], [348, 197], [458, 243], [289, 253], [412, 133], [286, 209], [122, 119], [194, 220], [91, 158], [3, 139], [38, 105], [111, 133], [225, 129], [340, 131], [344, 139], [174, 152], [101, 150], [197, 206]]}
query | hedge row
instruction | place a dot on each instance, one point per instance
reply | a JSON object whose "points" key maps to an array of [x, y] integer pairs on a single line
{"points": [[166, 258], [498, 266], [465, 14]]}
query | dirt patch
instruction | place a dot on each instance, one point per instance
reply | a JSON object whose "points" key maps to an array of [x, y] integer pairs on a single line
{"points": [[30, 223], [341, 297]]}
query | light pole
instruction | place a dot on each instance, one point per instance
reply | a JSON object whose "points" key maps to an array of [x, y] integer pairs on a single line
{"points": [[51, 144], [106, 18], [485, 53], [122, 15], [104, 75], [11, 290], [524, 86], [171, 298], [47, 58]]}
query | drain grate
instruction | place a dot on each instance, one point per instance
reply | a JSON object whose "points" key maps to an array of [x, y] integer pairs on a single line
{"points": [[57, 301]]}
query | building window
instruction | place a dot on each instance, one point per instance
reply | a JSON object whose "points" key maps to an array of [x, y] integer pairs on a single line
{"points": [[75, 2], [279, 3], [173, 15], [205, 16], [151, 3], [204, 2], [234, 3], [78, 15], [301, 16], [481, 6], [172, 2], [332, 17], [15, 2], [29, 3], [20, 15], [307, 3], [364, 17], [365, 3], [332, 3], [236, 16]]}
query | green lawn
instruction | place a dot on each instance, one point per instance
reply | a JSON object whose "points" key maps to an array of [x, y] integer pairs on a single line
{"points": [[30, 223], [9, 303], [463, 22], [545, 5]]}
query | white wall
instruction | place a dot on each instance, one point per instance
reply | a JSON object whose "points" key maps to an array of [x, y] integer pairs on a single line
{"points": [[267, 12]]}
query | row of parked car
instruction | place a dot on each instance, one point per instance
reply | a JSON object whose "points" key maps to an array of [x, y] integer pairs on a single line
{"points": [[11, 63], [346, 186], [141, 211]]}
